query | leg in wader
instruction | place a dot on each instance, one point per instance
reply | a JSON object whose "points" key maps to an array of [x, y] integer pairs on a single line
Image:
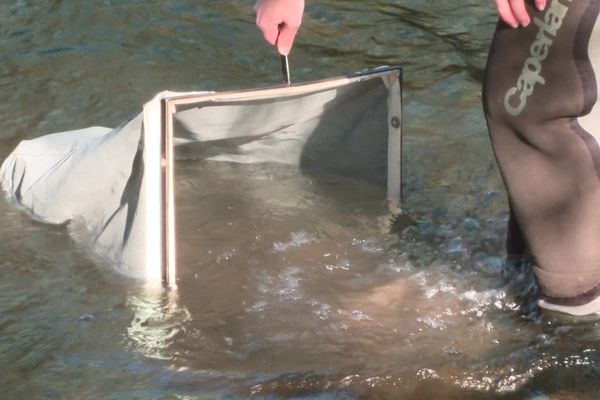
{"points": [[540, 99]]}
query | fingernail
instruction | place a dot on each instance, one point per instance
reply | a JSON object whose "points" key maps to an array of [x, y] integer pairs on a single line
{"points": [[514, 25], [526, 24], [284, 51]]}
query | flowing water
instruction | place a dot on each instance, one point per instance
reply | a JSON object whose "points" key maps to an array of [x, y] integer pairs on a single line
{"points": [[290, 286]]}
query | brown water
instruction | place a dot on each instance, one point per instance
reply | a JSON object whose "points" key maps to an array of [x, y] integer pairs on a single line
{"points": [[291, 286]]}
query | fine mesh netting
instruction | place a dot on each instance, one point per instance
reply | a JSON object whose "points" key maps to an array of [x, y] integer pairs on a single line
{"points": [[115, 186]]}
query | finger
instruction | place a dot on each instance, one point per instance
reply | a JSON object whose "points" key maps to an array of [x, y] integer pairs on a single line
{"points": [[520, 12], [541, 4], [269, 29], [285, 41], [505, 12]]}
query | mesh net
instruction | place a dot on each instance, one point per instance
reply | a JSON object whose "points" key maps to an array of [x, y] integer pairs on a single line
{"points": [[114, 187]]}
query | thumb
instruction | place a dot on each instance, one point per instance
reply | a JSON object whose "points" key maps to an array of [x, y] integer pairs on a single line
{"points": [[285, 41]]}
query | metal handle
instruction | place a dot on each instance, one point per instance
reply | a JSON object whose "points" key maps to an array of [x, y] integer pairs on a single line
{"points": [[285, 69]]}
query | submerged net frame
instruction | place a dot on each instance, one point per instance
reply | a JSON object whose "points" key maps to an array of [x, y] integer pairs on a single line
{"points": [[116, 187]]}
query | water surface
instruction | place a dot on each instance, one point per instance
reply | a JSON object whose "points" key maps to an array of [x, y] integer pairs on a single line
{"points": [[291, 285]]}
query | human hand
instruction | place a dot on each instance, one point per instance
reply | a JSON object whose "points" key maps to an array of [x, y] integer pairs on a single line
{"points": [[514, 13], [279, 21]]}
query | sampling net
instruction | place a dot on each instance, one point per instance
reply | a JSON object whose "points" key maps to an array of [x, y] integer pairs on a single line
{"points": [[115, 186]]}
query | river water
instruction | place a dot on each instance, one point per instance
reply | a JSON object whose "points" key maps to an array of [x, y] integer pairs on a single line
{"points": [[290, 286]]}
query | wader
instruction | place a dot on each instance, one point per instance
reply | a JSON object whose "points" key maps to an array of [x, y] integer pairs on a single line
{"points": [[541, 104]]}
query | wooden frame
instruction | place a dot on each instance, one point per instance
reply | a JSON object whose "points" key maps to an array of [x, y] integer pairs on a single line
{"points": [[173, 103]]}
